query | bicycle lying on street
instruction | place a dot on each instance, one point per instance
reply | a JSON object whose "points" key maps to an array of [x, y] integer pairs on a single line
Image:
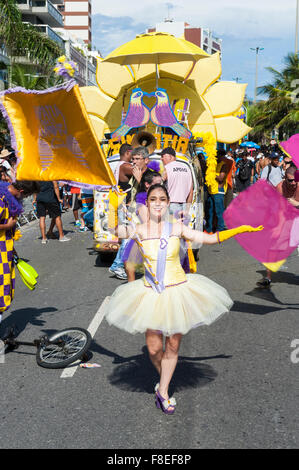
{"points": [[56, 351]]}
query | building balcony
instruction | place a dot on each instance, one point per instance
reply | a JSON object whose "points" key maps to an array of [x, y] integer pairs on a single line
{"points": [[45, 29], [44, 9]]}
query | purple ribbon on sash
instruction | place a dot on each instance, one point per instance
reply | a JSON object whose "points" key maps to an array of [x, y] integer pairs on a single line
{"points": [[161, 260]]}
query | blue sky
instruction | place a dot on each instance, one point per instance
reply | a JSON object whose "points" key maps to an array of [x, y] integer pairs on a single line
{"points": [[241, 25]]}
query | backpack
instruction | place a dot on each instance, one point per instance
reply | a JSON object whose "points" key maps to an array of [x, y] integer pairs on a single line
{"points": [[244, 171], [269, 171]]}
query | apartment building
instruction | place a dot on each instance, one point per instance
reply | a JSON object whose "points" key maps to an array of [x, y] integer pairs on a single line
{"points": [[44, 15], [77, 18], [201, 37], [69, 24]]}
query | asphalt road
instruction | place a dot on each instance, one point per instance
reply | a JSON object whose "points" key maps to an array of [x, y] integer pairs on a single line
{"points": [[235, 384]]}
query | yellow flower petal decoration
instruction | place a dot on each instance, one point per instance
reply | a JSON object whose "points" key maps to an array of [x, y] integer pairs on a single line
{"points": [[230, 129], [234, 94], [212, 103], [61, 59]]}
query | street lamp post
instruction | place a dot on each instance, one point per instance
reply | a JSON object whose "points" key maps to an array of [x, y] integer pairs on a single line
{"points": [[296, 40], [257, 50]]}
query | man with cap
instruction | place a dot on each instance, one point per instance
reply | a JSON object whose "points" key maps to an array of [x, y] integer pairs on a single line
{"points": [[272, 172], [178, 177]]}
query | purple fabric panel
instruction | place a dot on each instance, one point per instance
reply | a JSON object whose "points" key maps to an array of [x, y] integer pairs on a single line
{"points": [[6, 269], [7, 289]]}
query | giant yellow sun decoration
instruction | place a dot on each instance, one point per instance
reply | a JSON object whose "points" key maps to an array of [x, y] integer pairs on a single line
{"points": [[213, 103]]}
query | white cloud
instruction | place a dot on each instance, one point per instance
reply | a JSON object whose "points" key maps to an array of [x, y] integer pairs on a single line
{"points": [[241, 25], [262, 18]]}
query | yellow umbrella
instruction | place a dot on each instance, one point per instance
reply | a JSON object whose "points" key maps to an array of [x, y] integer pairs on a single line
{"points": [[156, 48]]}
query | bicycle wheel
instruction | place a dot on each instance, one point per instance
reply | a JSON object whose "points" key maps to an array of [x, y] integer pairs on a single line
{"points": [[63, 348]]}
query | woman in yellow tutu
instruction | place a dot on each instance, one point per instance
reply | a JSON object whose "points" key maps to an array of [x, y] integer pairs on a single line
{"points": [[169, 303]]}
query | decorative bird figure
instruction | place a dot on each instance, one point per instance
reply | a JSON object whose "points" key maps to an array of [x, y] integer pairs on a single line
{"points": [[163, 116], [138, 114]]}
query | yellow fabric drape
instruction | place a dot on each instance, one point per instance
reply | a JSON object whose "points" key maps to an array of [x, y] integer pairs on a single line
{"points": [[54, 137]]}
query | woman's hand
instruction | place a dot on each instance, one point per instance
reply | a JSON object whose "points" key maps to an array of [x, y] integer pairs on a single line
{"points": [[11, 223], [249, 228]]}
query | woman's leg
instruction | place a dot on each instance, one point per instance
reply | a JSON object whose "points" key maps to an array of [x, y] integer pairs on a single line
{"points": [[42, 226], [58, 223], [51, 228], [169, 362], [130, 270], [154, 342]]}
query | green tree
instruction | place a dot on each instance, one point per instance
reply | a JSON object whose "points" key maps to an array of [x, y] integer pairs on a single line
{"points": [[281, 108], [24, 40], [26, 77]]}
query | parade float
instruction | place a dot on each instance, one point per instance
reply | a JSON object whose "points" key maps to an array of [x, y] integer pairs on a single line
{"points": [[72, 134], [158, 84], [169, 88]]}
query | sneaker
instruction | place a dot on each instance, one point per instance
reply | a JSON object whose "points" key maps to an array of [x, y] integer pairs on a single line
{"points": [[83, 229], [120, 273], [264, 283], [64, 239], [44, 242], [77, 223]]}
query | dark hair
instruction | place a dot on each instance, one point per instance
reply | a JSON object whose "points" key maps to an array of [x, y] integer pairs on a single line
{"points": [[158, 186], [169, 151], [147, 177], [28, 187], [124, 148], [221, 153], [291, 170]]}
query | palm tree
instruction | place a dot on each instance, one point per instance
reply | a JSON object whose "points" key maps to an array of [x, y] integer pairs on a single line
{"points": [[26, 77], [23, 40], [281, 110]]}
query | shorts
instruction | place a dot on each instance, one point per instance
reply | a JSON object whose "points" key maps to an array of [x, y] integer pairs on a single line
{"points": [[50, 208], [77, 203], [176, 208]]}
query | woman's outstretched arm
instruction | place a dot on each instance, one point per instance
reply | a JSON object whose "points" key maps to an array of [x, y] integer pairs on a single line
{"points": [[198, 237]]}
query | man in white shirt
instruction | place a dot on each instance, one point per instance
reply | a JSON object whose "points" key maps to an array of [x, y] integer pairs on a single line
{"points": [[272, 172], [179, 180]]}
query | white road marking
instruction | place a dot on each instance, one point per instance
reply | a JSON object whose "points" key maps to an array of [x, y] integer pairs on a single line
{"points": [[94, 325]]}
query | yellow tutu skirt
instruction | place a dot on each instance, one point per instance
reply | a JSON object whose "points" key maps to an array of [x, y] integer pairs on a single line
{"points": [[133, 307]]}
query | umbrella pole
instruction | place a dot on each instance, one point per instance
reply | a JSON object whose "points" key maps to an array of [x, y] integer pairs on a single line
{"points": [[157, 77]]}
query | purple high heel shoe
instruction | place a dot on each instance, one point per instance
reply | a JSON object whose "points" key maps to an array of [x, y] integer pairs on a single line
{"points": [[164, 405]]}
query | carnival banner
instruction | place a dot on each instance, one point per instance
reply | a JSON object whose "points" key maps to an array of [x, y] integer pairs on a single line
{"points": [[53, 138]]}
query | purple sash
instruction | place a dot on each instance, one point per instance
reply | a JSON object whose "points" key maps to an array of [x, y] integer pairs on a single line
{"points": [[161, 260]]}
